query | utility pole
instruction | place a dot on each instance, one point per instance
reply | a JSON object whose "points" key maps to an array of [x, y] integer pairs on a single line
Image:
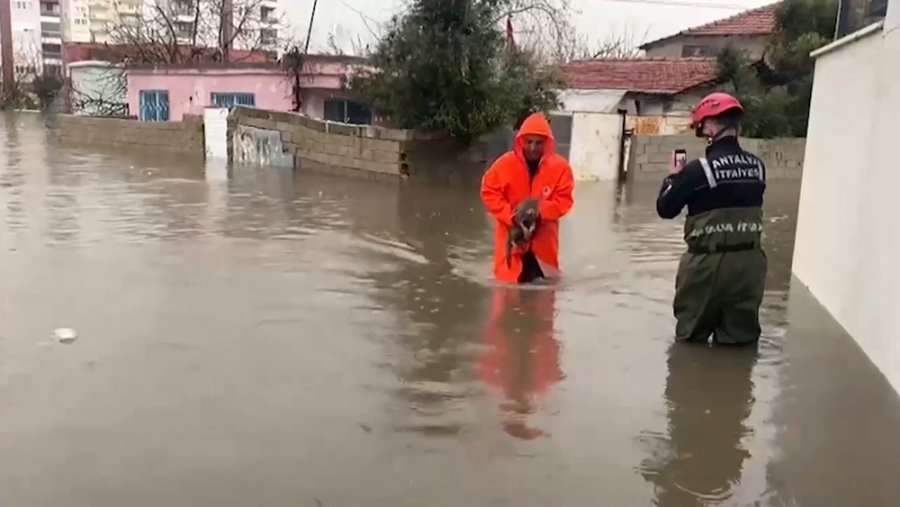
{"points": [[227, 31], [312, 17], [6, 49]]}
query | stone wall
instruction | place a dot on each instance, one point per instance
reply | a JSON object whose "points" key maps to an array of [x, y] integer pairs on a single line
{"points": [[185, 137], [650, 156]]}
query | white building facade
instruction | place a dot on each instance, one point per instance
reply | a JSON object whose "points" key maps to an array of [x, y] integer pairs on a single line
{"points": [[848, 238]]}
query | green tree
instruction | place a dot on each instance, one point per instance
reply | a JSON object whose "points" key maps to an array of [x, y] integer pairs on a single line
{"points": [[445, 66], [776, 91]]}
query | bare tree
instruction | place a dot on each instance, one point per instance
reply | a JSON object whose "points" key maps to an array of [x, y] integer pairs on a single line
{"points": [[547, 30], [625, 43], [101, 92], [175, 31]]}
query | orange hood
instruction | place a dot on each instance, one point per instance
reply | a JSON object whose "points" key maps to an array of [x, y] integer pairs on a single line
{"points": [[537, 124]]}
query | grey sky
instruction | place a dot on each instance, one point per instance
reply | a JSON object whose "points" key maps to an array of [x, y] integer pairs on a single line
{"points": [[595, 18]]}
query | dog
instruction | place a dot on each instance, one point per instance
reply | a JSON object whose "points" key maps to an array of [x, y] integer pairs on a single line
{"points": [[525, 221]]}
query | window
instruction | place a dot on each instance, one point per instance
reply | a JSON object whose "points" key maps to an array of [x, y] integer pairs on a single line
{"points": [[51, 50], [184, 29], [50, 29], [50, 8], [184, 7], [232, 99], [22, 5], [689, 50], [268, 36], [154, 105], [348, 111], [267, 13]]}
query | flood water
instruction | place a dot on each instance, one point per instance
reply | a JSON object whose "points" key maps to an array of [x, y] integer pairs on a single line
{"points": [[269, 339]]}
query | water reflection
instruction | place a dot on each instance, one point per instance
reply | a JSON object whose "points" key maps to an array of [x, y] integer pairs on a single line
{"points": [[521, 355], [709, 396]]}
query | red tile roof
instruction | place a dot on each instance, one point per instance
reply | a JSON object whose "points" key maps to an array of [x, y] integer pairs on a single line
{"points": [[758, 21], [662, 76]]}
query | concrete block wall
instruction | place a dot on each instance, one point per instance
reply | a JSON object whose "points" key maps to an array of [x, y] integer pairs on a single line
{"points": [[185, 137], [650, 156], [316, 145]]}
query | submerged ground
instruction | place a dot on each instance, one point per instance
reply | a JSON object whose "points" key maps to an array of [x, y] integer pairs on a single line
{"points": [[268, 338]]}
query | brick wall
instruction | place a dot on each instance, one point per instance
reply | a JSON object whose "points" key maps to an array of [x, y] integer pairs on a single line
{"points": [[184, 137], [649, 156]]}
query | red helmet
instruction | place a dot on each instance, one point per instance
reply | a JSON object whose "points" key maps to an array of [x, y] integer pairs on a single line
{"points": [[712, 105]]}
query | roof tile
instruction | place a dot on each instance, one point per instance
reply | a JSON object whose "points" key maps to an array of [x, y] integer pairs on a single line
{"points": [[664, 76], [759, 21]]}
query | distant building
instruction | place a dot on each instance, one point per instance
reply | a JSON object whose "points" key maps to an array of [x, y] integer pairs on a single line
{"points": [[659, 87], [104, 15], [259, 31], [36, 37], [749, 30], [51, 36], [75, 18], [169, 92]]}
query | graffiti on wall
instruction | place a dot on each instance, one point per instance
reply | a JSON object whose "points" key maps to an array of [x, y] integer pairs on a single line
{"points": [[256, 146]]}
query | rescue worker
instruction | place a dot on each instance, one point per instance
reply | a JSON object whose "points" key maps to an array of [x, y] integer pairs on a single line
{"points": [[531, 169], [721, 277]]}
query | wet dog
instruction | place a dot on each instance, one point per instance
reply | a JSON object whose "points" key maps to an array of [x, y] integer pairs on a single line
{"points": [[525, 222]]}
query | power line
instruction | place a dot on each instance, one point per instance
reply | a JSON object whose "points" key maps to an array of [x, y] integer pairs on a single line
{"points": [[678, 3]]}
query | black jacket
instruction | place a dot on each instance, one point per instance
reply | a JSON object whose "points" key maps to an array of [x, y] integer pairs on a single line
{"points": [[735, 179]]}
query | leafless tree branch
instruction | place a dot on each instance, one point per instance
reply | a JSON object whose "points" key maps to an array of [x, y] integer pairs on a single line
{"points": [[174, 31]]}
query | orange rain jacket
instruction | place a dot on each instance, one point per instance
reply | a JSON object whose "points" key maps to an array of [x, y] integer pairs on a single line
{"points": [[506, 184], [521, 354]]}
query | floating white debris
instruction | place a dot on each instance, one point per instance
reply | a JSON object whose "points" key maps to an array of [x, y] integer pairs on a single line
{"points": [[64, 335]]}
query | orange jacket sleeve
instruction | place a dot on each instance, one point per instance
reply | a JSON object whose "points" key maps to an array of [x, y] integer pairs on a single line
{"points": [[560, 200], [493, 193]]}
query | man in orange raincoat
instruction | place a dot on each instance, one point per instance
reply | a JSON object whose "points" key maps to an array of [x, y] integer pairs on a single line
{"points": [[531, 169]]}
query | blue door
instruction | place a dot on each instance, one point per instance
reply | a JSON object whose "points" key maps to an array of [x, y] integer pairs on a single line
{"points": [[154, 105]]}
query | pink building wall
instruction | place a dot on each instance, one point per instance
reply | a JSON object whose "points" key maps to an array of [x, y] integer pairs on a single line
{"points": [[190, 89]]}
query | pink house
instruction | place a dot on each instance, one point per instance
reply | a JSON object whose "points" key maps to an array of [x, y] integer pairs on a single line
{"points": [[167, 93]]}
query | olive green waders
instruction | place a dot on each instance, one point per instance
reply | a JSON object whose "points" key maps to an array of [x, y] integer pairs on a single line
{"points": [[722, 277]]}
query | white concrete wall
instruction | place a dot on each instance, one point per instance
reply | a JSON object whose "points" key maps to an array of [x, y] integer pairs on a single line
{"points": [[595, 145], [96, 87], [848, 235]]}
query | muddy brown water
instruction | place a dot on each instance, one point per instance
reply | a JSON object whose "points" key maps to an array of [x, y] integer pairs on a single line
{"points": [[270, 339]]}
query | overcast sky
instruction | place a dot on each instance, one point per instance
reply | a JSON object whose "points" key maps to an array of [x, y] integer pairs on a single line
{"points": [[597, 19]]}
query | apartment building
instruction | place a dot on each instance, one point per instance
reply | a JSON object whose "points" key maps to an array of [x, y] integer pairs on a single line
{"points": [[261, 32], [258, 20], [76, 23], [25, 25], [36, 37], [105, 15], [51, 36]]}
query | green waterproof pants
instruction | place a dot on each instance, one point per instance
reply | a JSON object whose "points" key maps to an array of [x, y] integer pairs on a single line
{"points": [[719, 294]]}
